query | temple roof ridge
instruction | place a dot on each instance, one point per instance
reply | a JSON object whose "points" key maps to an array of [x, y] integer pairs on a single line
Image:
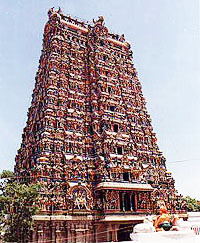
{"points": [[85, 23]]}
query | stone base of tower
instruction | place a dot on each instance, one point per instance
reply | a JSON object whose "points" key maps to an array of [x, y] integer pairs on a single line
{"points": [[87, 229], [61, 228]]}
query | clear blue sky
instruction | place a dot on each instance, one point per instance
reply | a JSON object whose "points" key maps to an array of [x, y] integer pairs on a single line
{"points": [[165, 39]]}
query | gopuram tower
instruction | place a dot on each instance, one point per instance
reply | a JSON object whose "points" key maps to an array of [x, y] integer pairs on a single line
{"points": [[89, 138]]}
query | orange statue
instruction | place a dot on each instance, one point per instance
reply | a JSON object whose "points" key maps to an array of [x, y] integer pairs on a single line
{"points": [[165, 221]]}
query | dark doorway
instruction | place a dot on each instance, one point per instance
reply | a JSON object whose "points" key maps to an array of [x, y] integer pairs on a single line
{"points": [[126, 176], [112, 108], [127, 202], [121, 201], [109, 90], [116, 128], [119, 150], [123, 234]]}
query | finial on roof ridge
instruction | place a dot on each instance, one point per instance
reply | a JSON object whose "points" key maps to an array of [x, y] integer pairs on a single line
{"points": [[100, 21], [52, 11]]}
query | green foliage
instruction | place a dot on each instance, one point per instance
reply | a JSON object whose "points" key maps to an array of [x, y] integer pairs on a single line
{"points": [[17, 206], [193, 206], [6, 174]]}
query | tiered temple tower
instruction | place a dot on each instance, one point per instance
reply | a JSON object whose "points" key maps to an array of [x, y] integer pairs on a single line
{"points": [[89, 137]]}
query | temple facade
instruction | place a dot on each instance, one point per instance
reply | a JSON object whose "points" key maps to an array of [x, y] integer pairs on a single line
{"points": [[89, 138]]}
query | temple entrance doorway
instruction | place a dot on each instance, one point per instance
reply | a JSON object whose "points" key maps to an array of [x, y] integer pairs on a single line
{"points": [[124, 231], [127, 201]]}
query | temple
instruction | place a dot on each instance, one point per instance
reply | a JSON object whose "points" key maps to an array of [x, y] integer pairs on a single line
{"points": [[89, 138]]}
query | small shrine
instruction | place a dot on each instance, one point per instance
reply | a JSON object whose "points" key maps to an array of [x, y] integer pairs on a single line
{"points": [[89, 138]]}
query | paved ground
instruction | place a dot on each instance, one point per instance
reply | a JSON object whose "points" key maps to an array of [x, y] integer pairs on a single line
{"points": [[197, 240]]}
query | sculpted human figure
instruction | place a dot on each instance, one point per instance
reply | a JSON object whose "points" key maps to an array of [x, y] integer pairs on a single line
{"points": [[162, 222], [165, 221]]}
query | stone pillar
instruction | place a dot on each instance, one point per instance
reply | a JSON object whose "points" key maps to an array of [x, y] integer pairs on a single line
{"points": [[63, 232], [40, 233], [58, 233], [90, 234], [47, 232], [53, 232], [131, 202], [136, 206], [123, 204], [34, 234], [109, 232], [114, 232], [73, 233], [104, 201], [40, 236], [69, 233], [95, 232], [118, 201]]}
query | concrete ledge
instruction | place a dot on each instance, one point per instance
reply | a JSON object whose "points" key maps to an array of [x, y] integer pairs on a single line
{"points": [[124, 186], [122, 218], [193, 214]]}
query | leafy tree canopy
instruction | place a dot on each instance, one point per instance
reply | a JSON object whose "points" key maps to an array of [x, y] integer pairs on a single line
{"points": [[17, 206], [192, 203], [6, 174]]}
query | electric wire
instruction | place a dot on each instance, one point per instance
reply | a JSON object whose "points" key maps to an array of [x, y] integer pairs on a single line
{"points": [[59, 178], [169, 162], [183, 160]]}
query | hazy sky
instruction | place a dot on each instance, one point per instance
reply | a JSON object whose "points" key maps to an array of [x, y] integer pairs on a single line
{"points": [[165, 39]]}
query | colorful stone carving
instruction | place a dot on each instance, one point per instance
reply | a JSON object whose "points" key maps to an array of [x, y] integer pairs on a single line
{"points": [[88, 124]]}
